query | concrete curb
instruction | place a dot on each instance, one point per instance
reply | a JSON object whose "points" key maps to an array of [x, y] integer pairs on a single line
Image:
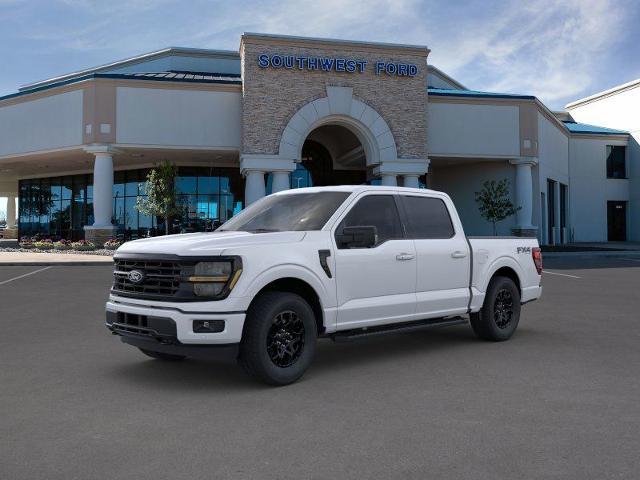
{"points": [[608, 253]]}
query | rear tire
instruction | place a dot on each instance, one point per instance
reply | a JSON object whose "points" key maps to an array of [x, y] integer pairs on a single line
{"points": [[279, 338], [500, 314], [162, 356]]}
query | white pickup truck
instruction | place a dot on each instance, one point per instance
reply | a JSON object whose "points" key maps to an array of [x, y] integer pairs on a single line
{"points": [[339, 262]]}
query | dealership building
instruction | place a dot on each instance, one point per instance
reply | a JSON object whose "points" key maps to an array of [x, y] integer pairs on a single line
{"points": [[288, 112]]}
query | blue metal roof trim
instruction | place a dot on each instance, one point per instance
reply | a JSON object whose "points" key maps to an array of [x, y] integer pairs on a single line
{"points": [[585, 128], [444, 92], [229, 79]]}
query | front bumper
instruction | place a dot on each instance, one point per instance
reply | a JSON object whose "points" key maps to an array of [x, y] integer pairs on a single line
{"points": [[183, 319]]}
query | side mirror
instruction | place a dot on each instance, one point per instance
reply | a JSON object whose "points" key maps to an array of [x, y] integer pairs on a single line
{"points": [[365, 236]]}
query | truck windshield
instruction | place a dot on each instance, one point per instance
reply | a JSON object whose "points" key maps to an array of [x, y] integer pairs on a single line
{"points": [[279, 213]]}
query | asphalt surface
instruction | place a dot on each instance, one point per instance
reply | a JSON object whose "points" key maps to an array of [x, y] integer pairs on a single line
{"points": [[559, 400]]}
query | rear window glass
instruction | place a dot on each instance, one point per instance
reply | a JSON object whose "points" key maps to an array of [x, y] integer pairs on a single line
{"points": [[427, 217]]}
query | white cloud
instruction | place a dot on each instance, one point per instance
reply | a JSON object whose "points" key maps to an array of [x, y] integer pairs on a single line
{"points": [[548, 48], [545, 48]]}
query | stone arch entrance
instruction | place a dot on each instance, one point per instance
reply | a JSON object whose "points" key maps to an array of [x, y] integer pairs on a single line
{"points": [[339, 110]]}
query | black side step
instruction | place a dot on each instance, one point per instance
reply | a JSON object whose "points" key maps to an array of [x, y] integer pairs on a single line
{"points": [[349, 335]]}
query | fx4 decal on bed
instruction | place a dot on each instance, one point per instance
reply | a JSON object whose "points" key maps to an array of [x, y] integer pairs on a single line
{"points": [[524, 250]]}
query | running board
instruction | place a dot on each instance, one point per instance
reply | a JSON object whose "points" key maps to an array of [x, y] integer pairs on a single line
{"points": [[349, 335]]}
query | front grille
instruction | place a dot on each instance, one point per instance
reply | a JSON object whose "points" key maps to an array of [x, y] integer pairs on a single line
{"points": [[161, 278]]}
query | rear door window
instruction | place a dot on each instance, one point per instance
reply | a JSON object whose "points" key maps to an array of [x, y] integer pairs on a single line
{"points": [[427, 217]]}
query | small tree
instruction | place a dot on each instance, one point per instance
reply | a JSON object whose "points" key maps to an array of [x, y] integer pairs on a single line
{"points": [[161, 197], [494, 202]]}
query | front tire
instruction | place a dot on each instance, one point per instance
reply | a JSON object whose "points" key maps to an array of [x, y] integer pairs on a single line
{"points": [[500, 314], [279, 338]]}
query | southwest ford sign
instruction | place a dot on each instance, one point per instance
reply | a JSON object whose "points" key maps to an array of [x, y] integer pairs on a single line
{"points": [[334, 64]]}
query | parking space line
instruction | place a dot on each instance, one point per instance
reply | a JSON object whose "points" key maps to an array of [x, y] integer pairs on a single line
{"points": [[561, 274], [25, 275]]}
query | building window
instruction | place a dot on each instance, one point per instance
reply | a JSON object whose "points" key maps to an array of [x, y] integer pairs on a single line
{"points": [[616, 161], [55, 207], [551, 211], [208, 197], [564, 200], [60, 207]]}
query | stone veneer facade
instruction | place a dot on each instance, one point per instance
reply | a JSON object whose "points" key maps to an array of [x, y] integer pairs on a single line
{"points": [[272, 96]]}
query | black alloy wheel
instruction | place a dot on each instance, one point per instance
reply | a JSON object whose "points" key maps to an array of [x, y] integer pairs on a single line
{"points": [[503, 308], [285, 340]]}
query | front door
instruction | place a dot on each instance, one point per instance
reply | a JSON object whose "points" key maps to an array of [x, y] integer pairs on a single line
{"points": [[375, 285], [617, 221]]}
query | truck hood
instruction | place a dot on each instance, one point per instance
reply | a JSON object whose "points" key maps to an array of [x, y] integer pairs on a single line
{"points": [[211, 243]]}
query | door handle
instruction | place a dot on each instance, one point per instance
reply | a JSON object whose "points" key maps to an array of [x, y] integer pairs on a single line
{"points": [[405, 256], [458, 254]]}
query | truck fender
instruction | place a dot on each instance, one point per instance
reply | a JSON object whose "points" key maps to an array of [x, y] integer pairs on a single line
{"points": [[299, 272], [496, 265]]}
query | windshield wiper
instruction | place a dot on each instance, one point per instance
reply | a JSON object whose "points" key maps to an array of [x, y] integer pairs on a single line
{"points": [[263, 230]]}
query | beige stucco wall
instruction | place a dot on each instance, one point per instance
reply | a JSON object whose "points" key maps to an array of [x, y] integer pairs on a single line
{"points": [[271, 96], [178, 117], [54, 121], [467, 129]]}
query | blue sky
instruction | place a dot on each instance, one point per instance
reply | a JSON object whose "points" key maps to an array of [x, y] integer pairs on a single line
{"points": [[557, 50]]}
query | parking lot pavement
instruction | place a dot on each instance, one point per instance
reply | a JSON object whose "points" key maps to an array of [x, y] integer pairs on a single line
{"points": [[560, 400]]}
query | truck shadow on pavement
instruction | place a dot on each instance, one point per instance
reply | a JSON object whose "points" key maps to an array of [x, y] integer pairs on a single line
{"points": [[395, 350]]}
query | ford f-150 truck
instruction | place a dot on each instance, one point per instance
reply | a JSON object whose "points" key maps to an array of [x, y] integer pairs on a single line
{"points": [[340, 262]]}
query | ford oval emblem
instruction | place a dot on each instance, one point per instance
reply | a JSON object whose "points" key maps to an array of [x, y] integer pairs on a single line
{"points": [[136, 277]]}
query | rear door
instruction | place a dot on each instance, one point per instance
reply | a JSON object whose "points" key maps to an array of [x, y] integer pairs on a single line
{"points": [[375, 285], [443, 256]]}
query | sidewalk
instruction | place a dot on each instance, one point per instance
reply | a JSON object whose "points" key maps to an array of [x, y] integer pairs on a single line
{"points": [[34, 259], [603, 249]]}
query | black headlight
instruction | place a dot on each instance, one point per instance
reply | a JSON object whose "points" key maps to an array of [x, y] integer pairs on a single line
{"points": [[215, 278]]}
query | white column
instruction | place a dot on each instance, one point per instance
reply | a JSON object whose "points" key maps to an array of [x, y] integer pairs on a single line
{"points": [[103, 190], [411, 181], [254, 186], [389, 180], [280, 181], [524, 192], [11, 212]]}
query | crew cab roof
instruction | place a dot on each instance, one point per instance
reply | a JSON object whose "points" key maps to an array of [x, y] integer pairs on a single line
{"points": [[356, 189]]}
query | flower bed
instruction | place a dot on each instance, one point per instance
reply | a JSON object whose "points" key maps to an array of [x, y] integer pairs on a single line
{"points": [[43, 244], [83, 246], [112, 244], [62, 245], [46, 245]]}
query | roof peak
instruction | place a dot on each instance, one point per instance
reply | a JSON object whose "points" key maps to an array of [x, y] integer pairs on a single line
{"points": [[604, 93], [132, 61]]}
